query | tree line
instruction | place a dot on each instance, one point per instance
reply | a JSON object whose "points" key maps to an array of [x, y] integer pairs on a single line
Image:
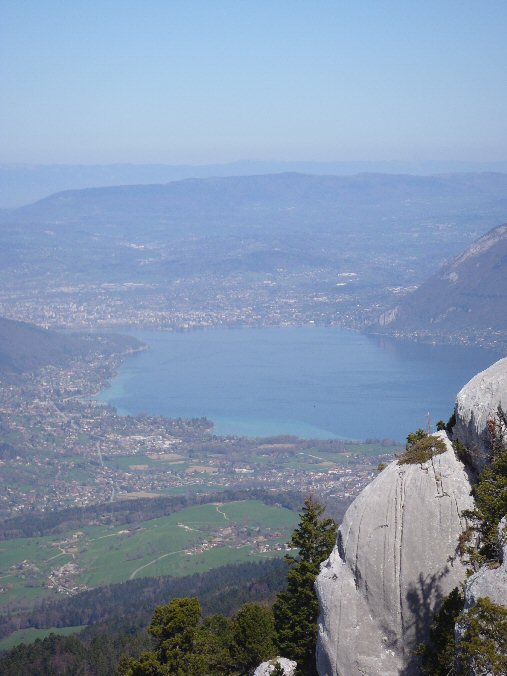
{"points": [[128, 606], [134, 511]]}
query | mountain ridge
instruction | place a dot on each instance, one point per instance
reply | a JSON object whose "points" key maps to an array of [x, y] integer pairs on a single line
{"points": [[24, 183], [468, 294], [262, 195]]}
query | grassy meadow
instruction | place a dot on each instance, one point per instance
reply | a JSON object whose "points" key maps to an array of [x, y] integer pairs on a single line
{"points": [[194, 540]]}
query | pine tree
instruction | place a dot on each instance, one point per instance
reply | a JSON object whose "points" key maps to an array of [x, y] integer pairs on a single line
{"points": [[297, 608], [174, 627], [253, 637]]}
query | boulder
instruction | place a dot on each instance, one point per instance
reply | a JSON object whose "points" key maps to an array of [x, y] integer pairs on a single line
{"points": [[267, 668], [396, 557], [476, 403]]}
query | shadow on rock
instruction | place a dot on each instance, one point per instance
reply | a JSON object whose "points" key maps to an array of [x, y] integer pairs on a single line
{"points": [[423, 600]]}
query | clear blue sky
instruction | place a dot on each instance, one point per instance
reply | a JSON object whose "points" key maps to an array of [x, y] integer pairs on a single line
{"points": [[199, 81]]}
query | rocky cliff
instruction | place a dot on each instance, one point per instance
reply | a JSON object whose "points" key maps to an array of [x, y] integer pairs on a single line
{"points": [[397, 555], [477, 403], [466, 297]]}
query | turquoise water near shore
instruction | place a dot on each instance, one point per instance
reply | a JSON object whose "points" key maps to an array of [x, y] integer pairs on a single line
{"points": [[315, 382]]}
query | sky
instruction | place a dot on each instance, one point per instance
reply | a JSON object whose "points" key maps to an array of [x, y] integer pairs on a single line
{"points": [[202, 81]]}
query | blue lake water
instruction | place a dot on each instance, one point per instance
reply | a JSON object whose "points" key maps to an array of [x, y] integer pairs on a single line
{"points": [[312, 381]]}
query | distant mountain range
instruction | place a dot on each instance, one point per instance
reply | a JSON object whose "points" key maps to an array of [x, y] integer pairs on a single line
{"points": [[21, 184], [467, 295], [274, 202], [266, 249], [258, 224]]}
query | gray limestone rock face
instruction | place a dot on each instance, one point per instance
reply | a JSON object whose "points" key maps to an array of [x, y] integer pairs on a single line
{"points": [[267, 668], [491, 582], [396, 557], [476, 403]]}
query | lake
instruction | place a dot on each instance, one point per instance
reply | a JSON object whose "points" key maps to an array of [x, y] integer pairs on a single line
{"points": [[315, 382]]}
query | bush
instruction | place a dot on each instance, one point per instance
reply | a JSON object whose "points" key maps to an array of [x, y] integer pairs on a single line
{"points": [[490, 493], [483, 648], [462, 452], [422, 450]]}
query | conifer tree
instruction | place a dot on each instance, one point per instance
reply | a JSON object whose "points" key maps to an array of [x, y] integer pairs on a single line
{"points": [[174, 627], [296, 609], [253, 637]]}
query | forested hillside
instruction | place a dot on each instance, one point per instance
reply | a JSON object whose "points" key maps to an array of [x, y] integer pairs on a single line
{"points": [[25, 347]]}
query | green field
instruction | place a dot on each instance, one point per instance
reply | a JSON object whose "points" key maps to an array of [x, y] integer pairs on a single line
{"points": [[194, 540], [30, 635], [323, 460]]}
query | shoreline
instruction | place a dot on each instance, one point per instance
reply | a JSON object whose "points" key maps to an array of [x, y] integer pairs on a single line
{"points": [[234, 420]]}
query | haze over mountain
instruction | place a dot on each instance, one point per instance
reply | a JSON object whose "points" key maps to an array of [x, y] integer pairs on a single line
{"points": [[24, 183], [468, 294], [263, 250], [273, 201]]}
